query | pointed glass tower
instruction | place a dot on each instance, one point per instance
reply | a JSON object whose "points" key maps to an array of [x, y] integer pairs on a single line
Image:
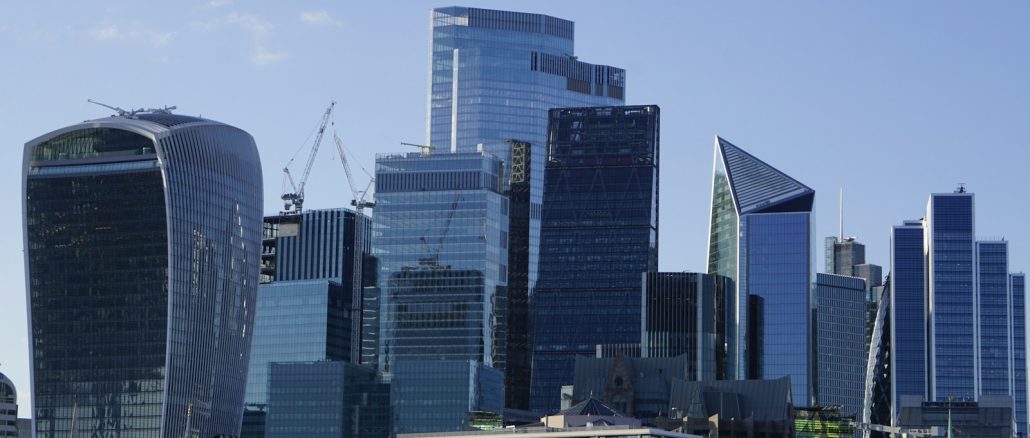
{"points": [[761, 236]]}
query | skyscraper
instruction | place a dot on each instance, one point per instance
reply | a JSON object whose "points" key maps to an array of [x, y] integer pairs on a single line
{"points": [[143, 237], [440, 233], [600, 233], [840, 341], [684, 313], [909, 314], [761, 237], [1019, 367], [949, 230], [994, 319], [493, 75]]}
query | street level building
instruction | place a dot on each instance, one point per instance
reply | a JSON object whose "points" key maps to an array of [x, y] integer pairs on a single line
{"points": [[143, 240], [326, 399]]}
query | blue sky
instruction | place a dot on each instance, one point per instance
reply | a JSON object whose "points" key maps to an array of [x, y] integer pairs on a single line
{"points": [[891, 100]]}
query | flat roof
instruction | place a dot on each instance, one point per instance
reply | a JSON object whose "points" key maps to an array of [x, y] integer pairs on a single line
{"points": [[555, 432]]}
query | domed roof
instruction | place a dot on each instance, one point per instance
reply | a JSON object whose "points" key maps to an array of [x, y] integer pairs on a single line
{"points": [[7, 392]]}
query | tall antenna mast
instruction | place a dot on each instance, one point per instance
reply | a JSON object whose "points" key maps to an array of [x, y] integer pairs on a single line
{"points": [[842, 213]]}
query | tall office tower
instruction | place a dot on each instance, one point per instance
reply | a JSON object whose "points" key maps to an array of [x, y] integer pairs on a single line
{"points": [[842, 254], [952, 295], [440, 233], [519, 357], [599, 234], [1019, 367], [328, 244], [8, 408], [325, 399], [143, 238], [840, 341], [493, 75], [761, 237], [994, 319], [370, 311], [684, 313], [909, 312], [877, 393]]}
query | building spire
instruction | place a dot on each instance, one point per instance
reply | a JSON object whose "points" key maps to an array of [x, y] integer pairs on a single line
{"points": [[842, 213]]}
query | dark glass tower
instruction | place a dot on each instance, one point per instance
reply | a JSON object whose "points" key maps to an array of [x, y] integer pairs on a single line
{"points": [[952, 292], [761, 237], [840, 341], [1019, 384], [599, 234], [143, 237], [685, 313], [908, 314], [994, 305]]}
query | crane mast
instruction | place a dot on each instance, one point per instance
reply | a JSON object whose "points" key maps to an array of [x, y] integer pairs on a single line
{"points": [[358, 201], [293, 195]]}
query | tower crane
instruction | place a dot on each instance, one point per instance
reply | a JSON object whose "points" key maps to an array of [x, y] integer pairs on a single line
{"points": [[358, 201], [293, 195], [426, 149]]}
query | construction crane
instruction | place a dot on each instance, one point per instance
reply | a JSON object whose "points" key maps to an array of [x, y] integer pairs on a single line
{"points": [[426, 149], [358, 201], [293, 195]]}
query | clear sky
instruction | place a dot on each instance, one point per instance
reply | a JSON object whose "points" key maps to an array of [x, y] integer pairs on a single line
{"points": [[891, 100]]}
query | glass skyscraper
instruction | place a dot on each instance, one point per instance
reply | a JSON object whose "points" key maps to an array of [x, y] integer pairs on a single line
{"points": [[684, 313], [1017, 283], [909, 312], [440, 234], [600, 233], [493, 75], [840, 341], [994, 305], [950, 250], [761, 237], [301, 320], [143, 238]]}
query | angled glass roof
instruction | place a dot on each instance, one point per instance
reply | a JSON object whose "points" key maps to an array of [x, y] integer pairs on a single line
{"points": [[758, 187]]}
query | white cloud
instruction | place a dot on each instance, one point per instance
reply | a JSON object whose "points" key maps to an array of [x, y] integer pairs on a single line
{"points": [[264, 57], [108, 32], [259, 30], [250, 22], [218, 3], [132, 32], [319, 18]]}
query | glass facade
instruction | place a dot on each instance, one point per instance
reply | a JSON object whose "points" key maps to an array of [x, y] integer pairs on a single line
{"points": [[994, 304], [908, 313], [684, 313], [304, 320], [8, 408], [440, 395], [761, 236], [329, 244], [599, 234], [1019, 383], [143, 240], [440, 234], [840, 341], [952, 291], [326, 400], [493, 76]]}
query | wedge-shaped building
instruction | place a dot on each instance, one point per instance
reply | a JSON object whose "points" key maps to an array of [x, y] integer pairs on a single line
{"points": [[760, 235], [142, 236]]}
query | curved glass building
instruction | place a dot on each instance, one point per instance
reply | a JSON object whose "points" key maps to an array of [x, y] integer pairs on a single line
{"points": [[8, 408], [142, 236]]}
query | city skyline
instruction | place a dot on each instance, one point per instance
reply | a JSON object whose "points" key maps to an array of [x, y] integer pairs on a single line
{"points": [[934, 98]]}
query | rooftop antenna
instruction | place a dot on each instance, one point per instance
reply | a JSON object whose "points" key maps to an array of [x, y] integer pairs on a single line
{"points": [[961, 188], [118, 110], [842, 213]]}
